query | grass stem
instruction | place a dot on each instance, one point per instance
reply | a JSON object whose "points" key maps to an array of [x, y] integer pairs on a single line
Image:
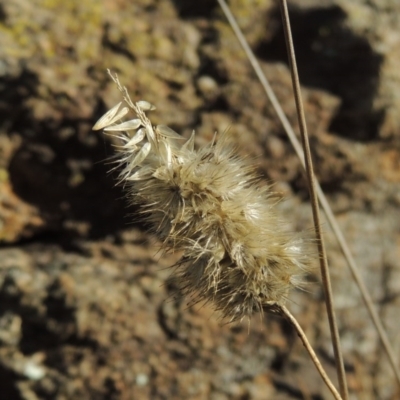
{"points": [[326, 281], [287, 314]]}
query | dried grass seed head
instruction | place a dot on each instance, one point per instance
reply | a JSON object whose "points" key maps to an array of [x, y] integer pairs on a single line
{"points": [[210, 205]]}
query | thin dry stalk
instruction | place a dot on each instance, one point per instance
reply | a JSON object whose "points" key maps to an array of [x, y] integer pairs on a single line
{"points": [[326, 281], [321, 196], [283, 311]]}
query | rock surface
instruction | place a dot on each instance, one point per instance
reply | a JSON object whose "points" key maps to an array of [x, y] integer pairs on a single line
{"points": [[87, 307]]}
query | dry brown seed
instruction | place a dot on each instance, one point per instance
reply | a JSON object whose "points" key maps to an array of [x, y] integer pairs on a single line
{"points": [[139, 158], [189, 145], [104, 120], [169, 133], [109, 117], [145, 105], [136, 138], [140, 174], [125, 126]]}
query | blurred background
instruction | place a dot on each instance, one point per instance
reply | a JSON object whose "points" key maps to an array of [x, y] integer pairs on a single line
{"points": [[87, 309]]}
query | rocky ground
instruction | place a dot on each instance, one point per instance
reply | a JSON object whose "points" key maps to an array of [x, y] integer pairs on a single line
{"points": [[87, 306]]}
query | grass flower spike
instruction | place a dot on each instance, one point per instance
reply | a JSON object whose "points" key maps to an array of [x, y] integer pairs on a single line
{"points": [[209, 204]]}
